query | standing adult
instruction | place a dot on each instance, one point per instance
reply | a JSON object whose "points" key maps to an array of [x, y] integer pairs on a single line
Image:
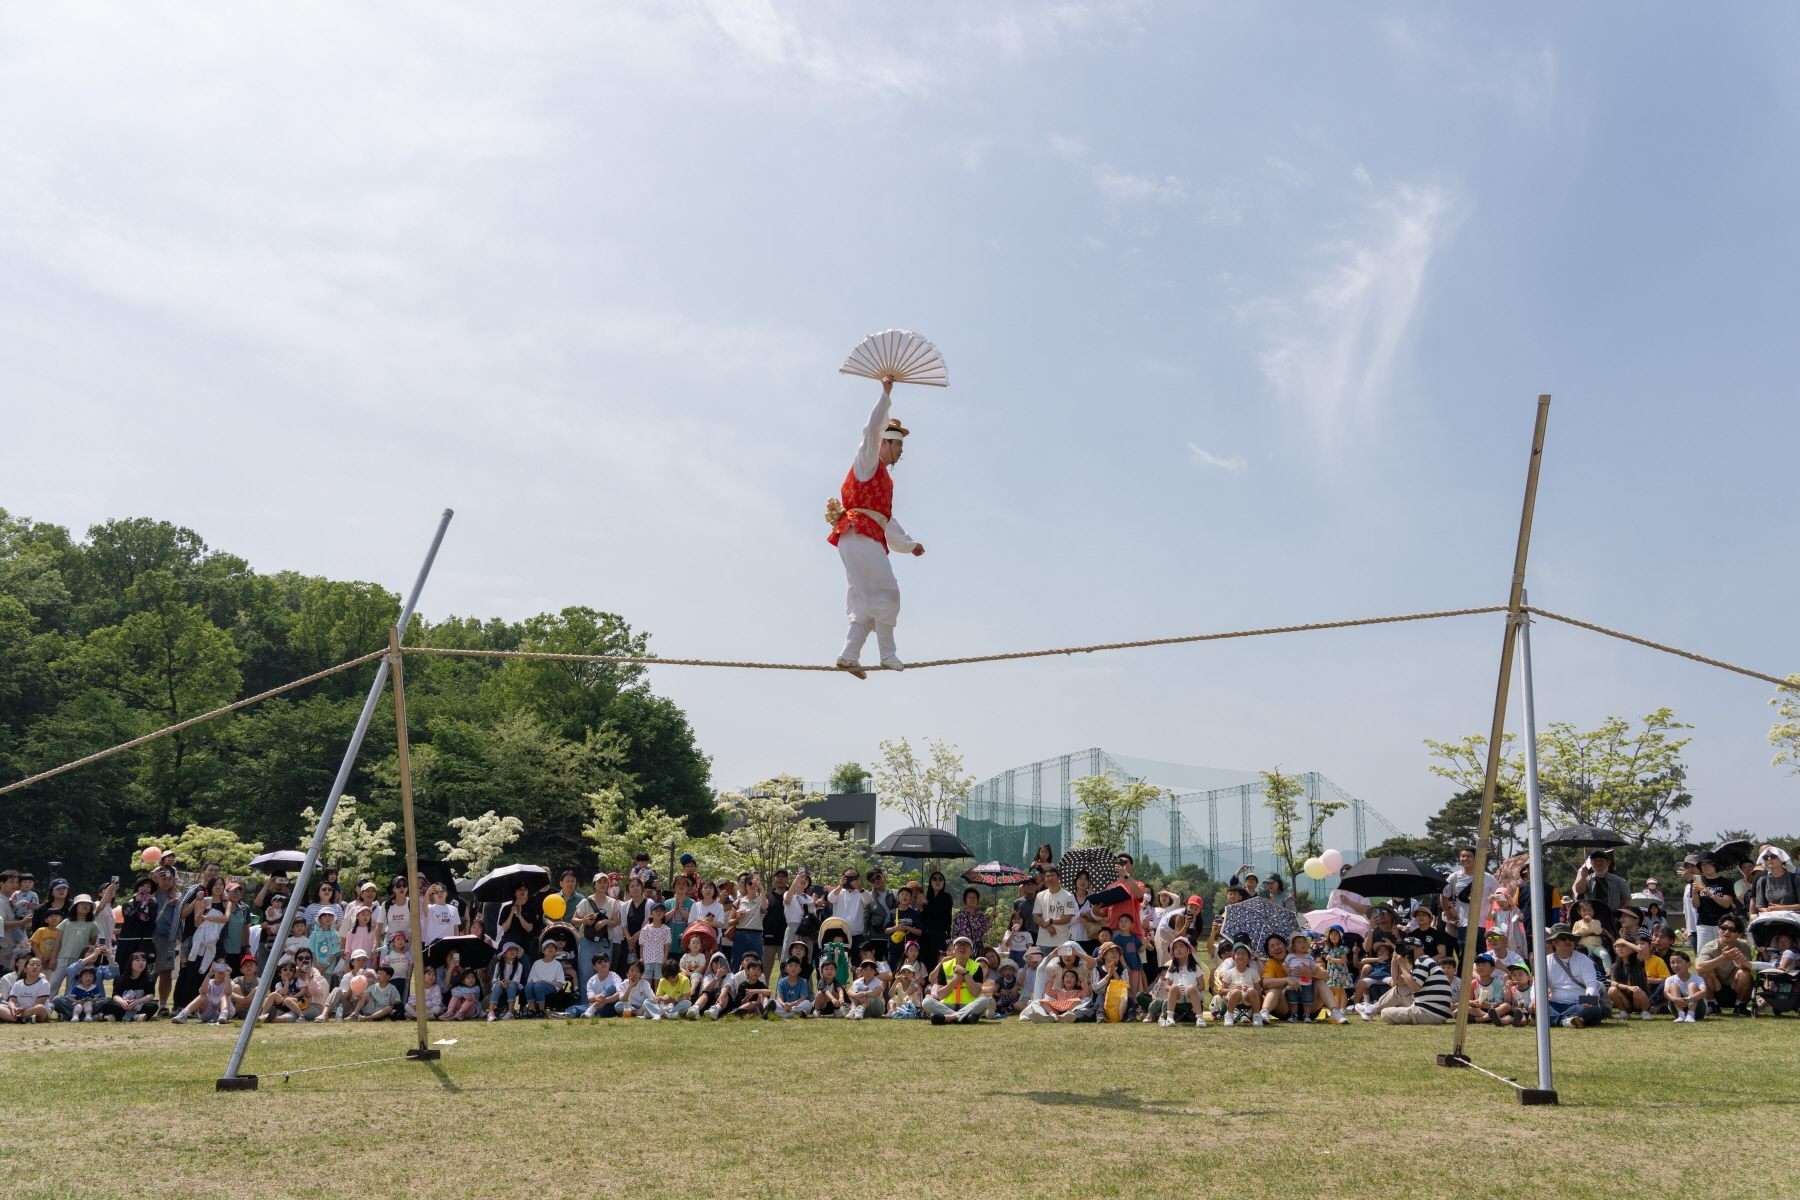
{"points": [[774, 925], [1460, 888], [747, 918], [522, 921], [847, 906], [1054, 910], [938, 915], [596, 916], [637, 906], [879, 907], [797, 906], [1713, 902], [394, 914], [1596, 883], [14, 929]]}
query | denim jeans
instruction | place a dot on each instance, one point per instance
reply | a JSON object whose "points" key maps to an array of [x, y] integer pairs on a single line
{"points": [[537, 991], [1588, 1010], [744, 941], [503, 994]]}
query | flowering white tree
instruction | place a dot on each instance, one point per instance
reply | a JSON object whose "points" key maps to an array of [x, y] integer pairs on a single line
{"points": [[480, 840], [617, 831], [1784, 735], [927, 795], [350, 845], [773, 831]]}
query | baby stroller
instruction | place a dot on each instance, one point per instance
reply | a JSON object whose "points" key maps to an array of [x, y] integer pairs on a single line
{"points": [[1780, 990]]}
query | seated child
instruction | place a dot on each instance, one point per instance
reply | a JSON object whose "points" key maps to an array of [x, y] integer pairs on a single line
{"points": [[829, 1000], [86, 991], [465, 998], [1487, 991], [1006, 990], [1516, 1008], [381, 1002], [905, 995], [866, 992], [793, 995], [1060, 1000], [1685, 991]]}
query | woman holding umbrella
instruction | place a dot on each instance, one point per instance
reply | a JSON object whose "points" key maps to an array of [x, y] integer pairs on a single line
{"points": [[521, 921], [938, 916]]}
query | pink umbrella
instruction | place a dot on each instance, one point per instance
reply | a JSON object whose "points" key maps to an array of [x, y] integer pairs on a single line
{"points": [[1321, 920]]}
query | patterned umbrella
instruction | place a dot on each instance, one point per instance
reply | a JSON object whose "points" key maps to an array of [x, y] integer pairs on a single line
{"points": [[995, 874], [1252, 921], [1100, 863]]}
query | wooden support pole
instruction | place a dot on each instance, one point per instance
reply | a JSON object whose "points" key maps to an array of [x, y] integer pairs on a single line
{"points": [[415, 893], [1514, 616]]}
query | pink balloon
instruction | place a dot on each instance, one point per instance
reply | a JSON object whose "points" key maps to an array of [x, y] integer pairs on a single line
{"points": [[118, 913], [1334, 862], [359, 985], [151, 854]]}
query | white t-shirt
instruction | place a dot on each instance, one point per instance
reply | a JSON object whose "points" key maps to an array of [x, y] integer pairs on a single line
{"points": [[392, 917], [795, 910], [546, 972], [25, 995], [599, 987], [439, 922], [847, 906], [1050, 906], [713, 913]]}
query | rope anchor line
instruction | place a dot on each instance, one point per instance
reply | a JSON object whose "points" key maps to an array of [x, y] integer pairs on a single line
{"points": [[1790, 683]]}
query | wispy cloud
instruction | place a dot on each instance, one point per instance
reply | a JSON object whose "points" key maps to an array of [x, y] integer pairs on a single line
{"points": [[1233, 464], [1333, 348]]}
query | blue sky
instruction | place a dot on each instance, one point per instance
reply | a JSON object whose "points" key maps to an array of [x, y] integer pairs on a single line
{"points": [[1245, 310]]}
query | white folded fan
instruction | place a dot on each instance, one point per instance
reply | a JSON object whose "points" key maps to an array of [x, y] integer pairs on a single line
{"points": [[899, 354]]}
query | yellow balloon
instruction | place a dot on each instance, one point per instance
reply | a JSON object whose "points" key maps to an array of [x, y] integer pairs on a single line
{"points": [[1315, 869], [555, 907]]}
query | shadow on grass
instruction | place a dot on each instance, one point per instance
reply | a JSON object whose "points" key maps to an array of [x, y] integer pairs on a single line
{"points": [[443, 1077], [1116, 1099]]}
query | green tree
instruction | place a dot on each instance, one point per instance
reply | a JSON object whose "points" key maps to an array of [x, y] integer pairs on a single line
{"points": [[282, 756], [1630, 782], [1280, 793], [572, 697], [1465, 764], [1427, 852], [663, 758], [339, 621], [848, 777], [767, 828], [617, 832], [167, 661], [1110, 812]]}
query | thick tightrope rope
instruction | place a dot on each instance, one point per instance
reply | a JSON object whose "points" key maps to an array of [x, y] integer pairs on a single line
{"points": [[1700, 658], [647, 660], [177, 728], [951, 662]]}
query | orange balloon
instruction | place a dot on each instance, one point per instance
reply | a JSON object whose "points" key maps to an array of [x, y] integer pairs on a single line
{"points": [[358, 984], [151, 854], [555, 906]]}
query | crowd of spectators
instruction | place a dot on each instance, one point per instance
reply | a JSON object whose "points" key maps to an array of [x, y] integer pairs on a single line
{"points": [[633, 945]]}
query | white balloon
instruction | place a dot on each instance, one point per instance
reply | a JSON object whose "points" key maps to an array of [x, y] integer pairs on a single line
{"points": [[1334, 862]]}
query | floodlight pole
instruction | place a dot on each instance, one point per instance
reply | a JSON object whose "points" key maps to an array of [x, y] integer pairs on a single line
{"points": [[1545, 1092], [1514, 616], [232, 1081], [415, 897]]}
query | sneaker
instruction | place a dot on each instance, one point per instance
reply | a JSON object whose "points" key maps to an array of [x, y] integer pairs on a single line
{"points": [[180, 1018], [852, 666], [937, 1018], [1230, 1019], [140, 1016], [88, 1017], [1337, 1017], [1647, 1015], [507, 1015], [1740, 1010], [108, 1018], [1366, 1012], [1574, 1023], [1260, 1019], [1293, 1018], [1166, 1020]]}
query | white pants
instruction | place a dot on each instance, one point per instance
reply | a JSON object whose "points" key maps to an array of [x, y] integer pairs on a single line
{"points": [[873, 600], [1038, 1014]]}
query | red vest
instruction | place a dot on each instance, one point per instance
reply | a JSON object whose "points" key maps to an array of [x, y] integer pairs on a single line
{"points": [[877, 495]]}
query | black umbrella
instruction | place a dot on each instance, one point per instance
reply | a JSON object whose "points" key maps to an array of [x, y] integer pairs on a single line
{"points": [[1589, 837], [1391, 875], [499, 884], [279, 860], [473, 952], [438, 872], [1730, 853], [1101, 865], [922, 841]]}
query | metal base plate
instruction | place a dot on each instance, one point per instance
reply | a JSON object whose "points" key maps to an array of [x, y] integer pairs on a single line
{"points": [[1536, 1096], [1453, 1060], [236, 1083], [423, 1053]]}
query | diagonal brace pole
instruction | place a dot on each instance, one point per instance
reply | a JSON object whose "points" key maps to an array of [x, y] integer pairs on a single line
{"points": [[232, 1080]]}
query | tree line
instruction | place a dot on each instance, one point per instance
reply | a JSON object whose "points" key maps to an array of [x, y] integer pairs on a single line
{"points": [[141, 625]]}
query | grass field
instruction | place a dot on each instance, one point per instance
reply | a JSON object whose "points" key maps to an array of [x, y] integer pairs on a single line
{"points": [[828, 1109]]}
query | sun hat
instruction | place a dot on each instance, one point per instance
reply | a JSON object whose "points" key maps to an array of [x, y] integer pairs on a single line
{"points": [[1561, 930]]}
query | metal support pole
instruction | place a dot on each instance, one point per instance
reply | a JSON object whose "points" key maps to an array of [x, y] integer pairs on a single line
{"points": [[232, 1081], [1514, 615], [1545, 1092], [415, 893]]}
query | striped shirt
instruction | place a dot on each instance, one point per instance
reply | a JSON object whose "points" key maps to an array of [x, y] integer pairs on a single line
{"points": [[1433, 992]]}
